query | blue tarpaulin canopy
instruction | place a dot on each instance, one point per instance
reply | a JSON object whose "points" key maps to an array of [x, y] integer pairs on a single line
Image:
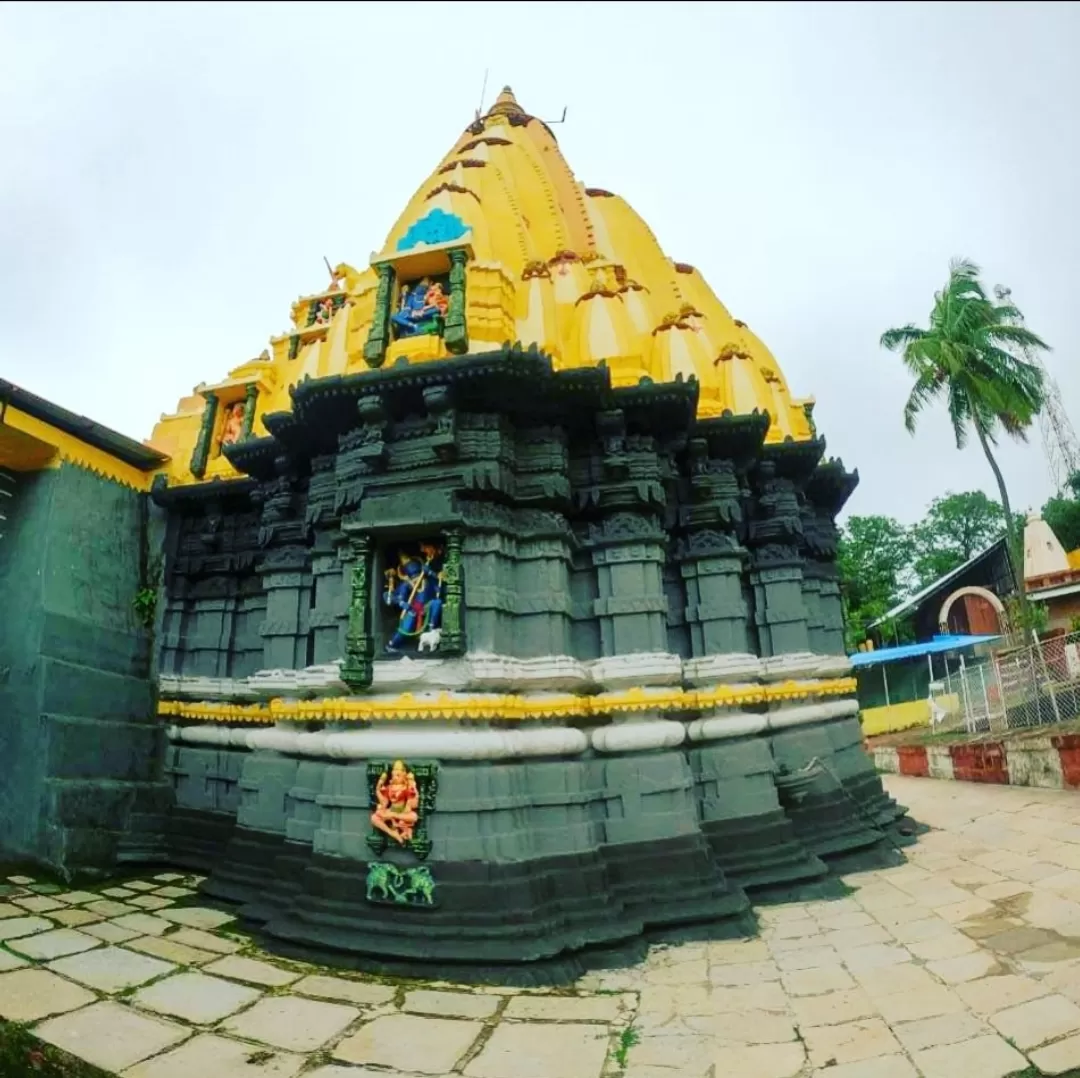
{"points": [[915, 651]]}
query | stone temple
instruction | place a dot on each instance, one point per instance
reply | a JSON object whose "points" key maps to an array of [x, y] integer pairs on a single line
{"points": [[500, 629]]}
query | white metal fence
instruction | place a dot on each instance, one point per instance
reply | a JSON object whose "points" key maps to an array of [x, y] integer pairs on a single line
{"points": [[1018, 686]]}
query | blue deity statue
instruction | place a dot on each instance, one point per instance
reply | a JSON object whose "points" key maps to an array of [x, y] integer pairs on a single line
{"points": [[421, 308], [415, 588]]}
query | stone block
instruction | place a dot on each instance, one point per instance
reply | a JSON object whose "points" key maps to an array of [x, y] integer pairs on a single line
{"points": [[450, 1004], [981, 1057], [299, 1025], [345, 991], [252, 971], [207, 1055], [197, 917], [47, 945], [195, 997], [536, 1008], [194, 937], [171, 951], [413, 1043], [143, 924], [528, 1050], [110, 1035], [27, 995], [111, 969], [17, 927]]}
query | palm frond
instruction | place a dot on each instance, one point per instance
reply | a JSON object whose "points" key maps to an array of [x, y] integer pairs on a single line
{"points": [[926, 389], [892, 339], [1018, 336]]}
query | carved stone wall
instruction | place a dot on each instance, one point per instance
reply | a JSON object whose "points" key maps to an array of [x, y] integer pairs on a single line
{"points": [[590, 522]]}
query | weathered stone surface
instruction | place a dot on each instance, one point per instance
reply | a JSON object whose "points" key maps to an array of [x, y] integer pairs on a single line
{"points": [[10, 961], [195, 997], [174, 892], [451, 1004], [143, 924], [38, 904], [221, 1057], [109, 932], [932, 1032], [1058, 1058], [17, 927], [73, 918], [412, 1043], [27, 995], [111, 969], [850, 1042], [77, 898], [150, 902], [1039, 1020], [564, 1008], [252, 971], [194, 937], [197, 917], [55, 944], [982, 1057], [299, 1025], [108, 908], [344, 991], [528, 1050], [110, 1035], [171, 951]]}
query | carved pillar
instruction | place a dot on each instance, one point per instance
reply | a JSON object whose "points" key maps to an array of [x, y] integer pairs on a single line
{"points": [[455, 330], [716, 611], [828, 488], [453, 635], [379, 335], [285, 629], [200, 457], [712, 558], [631, 607], [284, 569], [251, 396], [776, 570], [357, 671]]}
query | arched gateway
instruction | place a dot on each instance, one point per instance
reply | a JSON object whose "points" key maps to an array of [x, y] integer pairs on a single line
{"points": [[483, 656]]}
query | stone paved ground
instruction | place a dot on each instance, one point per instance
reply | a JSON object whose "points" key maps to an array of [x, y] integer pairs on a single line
{"points": [[963, 963]]}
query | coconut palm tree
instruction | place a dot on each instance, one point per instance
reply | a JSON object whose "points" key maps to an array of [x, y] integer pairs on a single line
{"points": [[976, 356]]}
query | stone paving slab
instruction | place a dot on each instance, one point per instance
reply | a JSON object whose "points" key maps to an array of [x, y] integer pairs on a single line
{"points": [[29, 994], [195, 997], [111, 1036], [111, 969], [964, 962], [209, 1055], [430, 1046], [299, 1025]]}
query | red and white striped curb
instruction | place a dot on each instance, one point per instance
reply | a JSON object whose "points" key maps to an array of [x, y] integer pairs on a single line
{"points": [[1052, 762]]}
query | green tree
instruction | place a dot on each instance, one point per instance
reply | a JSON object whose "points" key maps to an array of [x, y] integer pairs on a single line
{"points": [[1062, 513], [955, 528], [874, 557], [976, 356]]}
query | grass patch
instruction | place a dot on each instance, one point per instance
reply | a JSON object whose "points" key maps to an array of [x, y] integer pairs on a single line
{"points": [[627, 1039], [22, 1055]]}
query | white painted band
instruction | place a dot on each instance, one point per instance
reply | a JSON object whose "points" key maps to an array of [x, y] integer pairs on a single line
{"points": [[638, 736]]}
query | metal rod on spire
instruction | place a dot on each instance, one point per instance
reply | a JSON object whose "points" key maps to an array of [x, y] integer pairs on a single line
{"points": [[483, 92]]}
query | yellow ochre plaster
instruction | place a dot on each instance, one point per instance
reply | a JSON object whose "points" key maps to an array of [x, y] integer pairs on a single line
{"points": [[448, 706], [570, 268], [29, 445]]}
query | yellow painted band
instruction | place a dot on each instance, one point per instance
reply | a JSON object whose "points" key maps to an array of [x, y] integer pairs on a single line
{"points": [[448, 706]]}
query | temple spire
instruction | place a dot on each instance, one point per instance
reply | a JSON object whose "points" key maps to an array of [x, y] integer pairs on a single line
{"points": [[506, 105]]}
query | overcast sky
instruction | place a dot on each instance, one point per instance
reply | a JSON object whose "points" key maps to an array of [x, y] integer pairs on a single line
{"points": [[171, 176]]}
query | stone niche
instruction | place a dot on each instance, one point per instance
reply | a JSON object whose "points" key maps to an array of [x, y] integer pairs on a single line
{"points": [[634, 632]]}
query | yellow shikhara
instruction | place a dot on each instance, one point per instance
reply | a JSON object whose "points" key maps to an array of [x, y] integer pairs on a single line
{"points": [[570, 268]]}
